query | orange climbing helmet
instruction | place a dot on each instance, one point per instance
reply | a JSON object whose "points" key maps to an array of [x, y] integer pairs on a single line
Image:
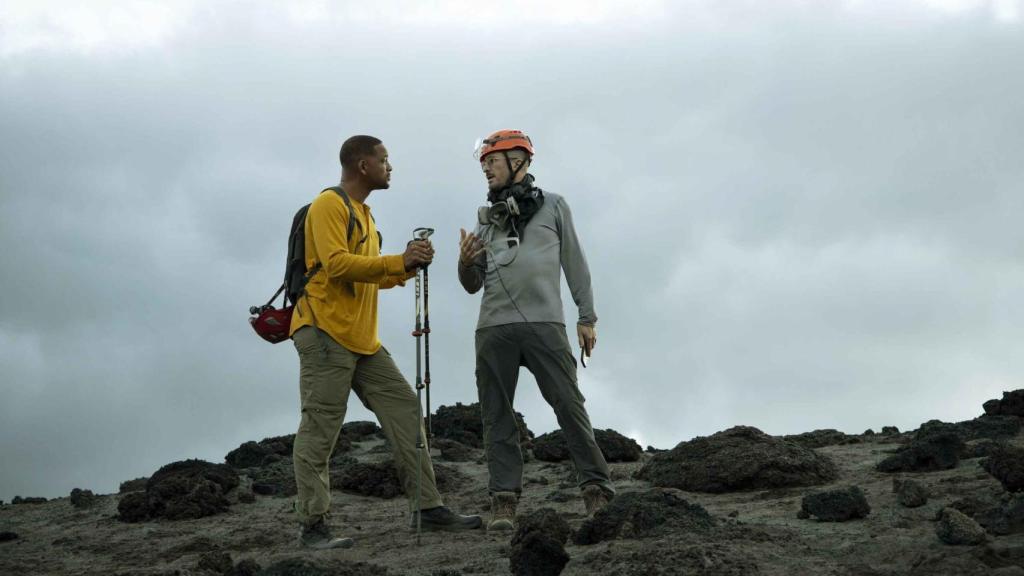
{"points": [[503, 140]]}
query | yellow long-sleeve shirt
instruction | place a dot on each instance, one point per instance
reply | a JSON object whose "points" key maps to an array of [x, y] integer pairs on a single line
{"points": [[341, 298]]}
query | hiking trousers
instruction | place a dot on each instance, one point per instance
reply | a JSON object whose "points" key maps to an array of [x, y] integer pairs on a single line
{"points": [[542, 347], [325, 378]]}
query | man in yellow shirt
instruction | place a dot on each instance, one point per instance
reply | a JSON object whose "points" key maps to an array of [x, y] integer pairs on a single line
{"points": [[334, 329]]}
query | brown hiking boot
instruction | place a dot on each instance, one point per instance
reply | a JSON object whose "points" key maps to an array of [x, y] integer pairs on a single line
{"points": [[319, 537], [503, 511], [594, 498]]}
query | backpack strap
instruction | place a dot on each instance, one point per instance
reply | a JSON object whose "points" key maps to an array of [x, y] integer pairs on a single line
{"points": [[353, 220]]}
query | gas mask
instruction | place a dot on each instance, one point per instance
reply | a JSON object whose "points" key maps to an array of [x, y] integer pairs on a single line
{"points": [[498, 214]]}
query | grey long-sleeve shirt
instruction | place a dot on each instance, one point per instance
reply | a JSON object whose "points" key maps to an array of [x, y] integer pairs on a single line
{"points": [[528, 276]]}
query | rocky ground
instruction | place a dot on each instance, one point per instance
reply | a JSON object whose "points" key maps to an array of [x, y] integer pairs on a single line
{"points": [[942, 500]]}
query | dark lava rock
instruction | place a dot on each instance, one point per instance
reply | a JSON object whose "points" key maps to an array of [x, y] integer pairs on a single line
{"points": [[29, 500], [380, 479], [739, 458], [642, 514], [910, 493], [868, 432], [979, 449], [82, 498], [890, 430], [359, 429], [453, 451], [538, 546], [836, 505], [248, 455], [1012, 404], [8, 536], [1003, 519], [181, 490], [821, 438], [1001, 554], [1006, 464], [133, 485], [247, 567], [218, 562], [274, 479], [706, 559], [615, 447], [304, 567], [955, 528], [936, 446], [273, 449], [990, 426], [463, 423]]}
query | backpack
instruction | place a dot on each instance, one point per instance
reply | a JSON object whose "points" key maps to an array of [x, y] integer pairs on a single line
{"points": [[272, 324]]}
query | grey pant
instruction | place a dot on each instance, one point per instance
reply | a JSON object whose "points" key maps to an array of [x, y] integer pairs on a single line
{"points": [[544, 349]]}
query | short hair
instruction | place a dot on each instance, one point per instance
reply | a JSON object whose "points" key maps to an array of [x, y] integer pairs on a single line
{"points": [[356, 148], [519, 154]]}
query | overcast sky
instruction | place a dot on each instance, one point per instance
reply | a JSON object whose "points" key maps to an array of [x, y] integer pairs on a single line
{"points": [[798, 215]]}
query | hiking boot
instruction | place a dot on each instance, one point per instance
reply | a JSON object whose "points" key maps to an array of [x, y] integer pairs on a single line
{"points": [[442, 518], [503, 511], [318, 537], [594, 498]]}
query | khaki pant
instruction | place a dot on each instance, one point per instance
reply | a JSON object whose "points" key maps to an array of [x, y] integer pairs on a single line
{"points": [[325, 378], [544, 349]]}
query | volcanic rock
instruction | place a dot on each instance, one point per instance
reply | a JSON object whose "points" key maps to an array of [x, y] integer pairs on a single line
{"points": [[82, 498], [133, 485], [910, 493], [218, 562], [615, 447], [246, 567], [1003, 519], [8, 536], [304, 567], [358, 430], [1006, 464], [890, 430], [836, 505], [739, 458], [936, 446], [181, 490], [1012, 404], [380, 479], [463, 423], [821, 438], [956, 528], [453, 451], [643, 514], [980, 449], [538, 546], [29, 500], [990, 426]]}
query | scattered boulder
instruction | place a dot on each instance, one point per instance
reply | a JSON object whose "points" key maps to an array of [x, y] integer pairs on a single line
{"points": [[1006, 464], [8, 536], [890, 430], [246, 567], [910, 493], [1003, 519], [274, 479], [453, 451], [82, 498], [868, 432], [29, 500], [380, 479], [463, 423], [181, 490], [133, 485], [995, 426], [305, 567], [980, 449], [739, 458], [217, 562], [956, 529], [935, 446], [358, 430], [615, 447], [1011, 404], [1001, 555], [643, 514], [836, 505], [538, 546], [821, 438]]}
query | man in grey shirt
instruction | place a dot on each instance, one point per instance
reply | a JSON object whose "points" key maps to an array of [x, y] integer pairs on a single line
{"points": [[523, 241]]}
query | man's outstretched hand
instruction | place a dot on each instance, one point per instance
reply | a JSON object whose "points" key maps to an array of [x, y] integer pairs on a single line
{"points": [[470, 247]]}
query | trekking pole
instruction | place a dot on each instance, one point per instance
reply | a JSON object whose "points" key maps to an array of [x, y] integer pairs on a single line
{"points": [[419, 234]]}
